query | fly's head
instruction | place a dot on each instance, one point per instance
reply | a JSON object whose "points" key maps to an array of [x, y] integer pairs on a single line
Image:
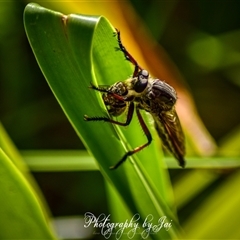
{"points": [[137, 85], [128, 90]]}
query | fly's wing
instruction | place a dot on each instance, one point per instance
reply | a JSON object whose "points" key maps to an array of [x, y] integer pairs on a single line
{"points": [[170, 131]]}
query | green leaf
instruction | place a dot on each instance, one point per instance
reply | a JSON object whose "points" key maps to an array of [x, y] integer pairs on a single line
{"points": [[80, 160], [8, 147], [21, 213], [13, 154], [218, 216], [73, 51], [229, 145]]}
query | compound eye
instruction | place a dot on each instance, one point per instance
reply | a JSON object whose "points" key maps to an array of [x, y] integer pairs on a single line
{"points": [[142, 81], [144, 73]]}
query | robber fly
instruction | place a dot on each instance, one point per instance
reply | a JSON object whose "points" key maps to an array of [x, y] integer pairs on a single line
{"points": [[143, 92]]}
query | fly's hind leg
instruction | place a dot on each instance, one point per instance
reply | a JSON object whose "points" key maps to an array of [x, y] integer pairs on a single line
{"points": [[137, 149]]}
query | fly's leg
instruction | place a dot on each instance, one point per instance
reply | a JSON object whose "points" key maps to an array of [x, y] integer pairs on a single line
{"points": [[127, 55], [137, 149], [99, 89], [106, 119], [128, 120]]}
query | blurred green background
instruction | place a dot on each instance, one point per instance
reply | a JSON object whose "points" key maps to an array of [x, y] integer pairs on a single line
{"points": [[201, 37]]}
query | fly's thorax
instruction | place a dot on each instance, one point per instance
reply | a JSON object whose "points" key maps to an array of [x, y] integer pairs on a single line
{"points": [[162, 94], [159, 96]]}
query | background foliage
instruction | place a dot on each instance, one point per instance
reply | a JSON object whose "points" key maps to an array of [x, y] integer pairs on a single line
{"points": [[202, 38]]}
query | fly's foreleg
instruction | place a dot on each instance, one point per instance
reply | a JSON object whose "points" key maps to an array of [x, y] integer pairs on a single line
{"points": [[106, 119], [127, 55]]}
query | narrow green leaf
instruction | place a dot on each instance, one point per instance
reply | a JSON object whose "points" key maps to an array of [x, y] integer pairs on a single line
{"points": [[218, 217], [21, 213], [73, 51], [59, 160], [13, 154], [68, 160], [229, 145], [8, 147], [185, 188]]}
